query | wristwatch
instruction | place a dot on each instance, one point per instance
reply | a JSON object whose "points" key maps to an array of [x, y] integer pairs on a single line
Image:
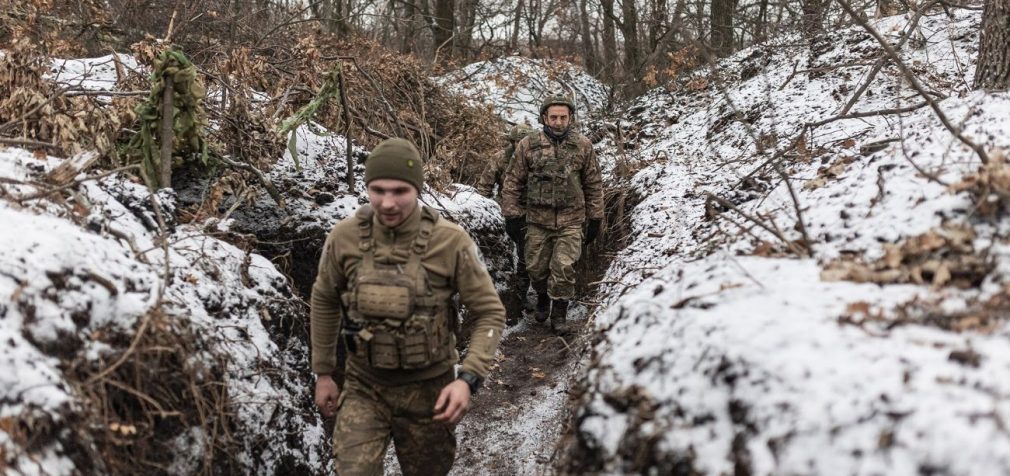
{"points": [[472, 380]]}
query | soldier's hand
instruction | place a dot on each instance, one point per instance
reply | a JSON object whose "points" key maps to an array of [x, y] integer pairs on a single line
{"points": [[515, 228], [453, 402], [592, 230], [327, 393]]}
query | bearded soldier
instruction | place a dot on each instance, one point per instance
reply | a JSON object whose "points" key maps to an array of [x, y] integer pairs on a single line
{"points": [[557, 173], [493, 176], [386, 279]]}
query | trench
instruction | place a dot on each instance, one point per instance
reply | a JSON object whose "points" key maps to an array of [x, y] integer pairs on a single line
{"points": [[522, 413]]}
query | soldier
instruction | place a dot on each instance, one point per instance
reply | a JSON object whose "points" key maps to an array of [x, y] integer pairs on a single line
{"points": [[494, 175], [386, 279], [557, 172]]}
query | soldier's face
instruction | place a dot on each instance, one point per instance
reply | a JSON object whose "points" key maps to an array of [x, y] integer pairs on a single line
{"points": [[558, 118], [393, 200]]}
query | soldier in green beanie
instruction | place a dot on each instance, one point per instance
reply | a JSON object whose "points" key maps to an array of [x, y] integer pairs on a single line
{"points": [[386, 280]]}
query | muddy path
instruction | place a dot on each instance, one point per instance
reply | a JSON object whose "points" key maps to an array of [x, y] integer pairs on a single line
{"points": [[519, 416]]}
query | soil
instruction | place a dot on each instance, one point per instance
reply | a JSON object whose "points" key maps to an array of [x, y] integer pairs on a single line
{"points": [[518, 417]]}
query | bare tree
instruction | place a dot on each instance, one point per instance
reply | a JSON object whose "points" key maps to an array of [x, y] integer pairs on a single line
{"points": [[632, 46], [812, 23], [609, 39], [443, 26], [589, 50], [516, 26], [721, 18], [993, 71]]}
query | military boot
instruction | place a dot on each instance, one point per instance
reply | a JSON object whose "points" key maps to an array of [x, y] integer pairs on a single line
{"points": [[559, 313], [543, 307]]}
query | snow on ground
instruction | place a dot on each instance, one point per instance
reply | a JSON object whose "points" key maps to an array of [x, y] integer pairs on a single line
{"points": [[514, 87], [93, 266], [721, 354]]}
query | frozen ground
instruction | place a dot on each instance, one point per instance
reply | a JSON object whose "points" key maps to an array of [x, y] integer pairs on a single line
{"points": [[84, 274], [721, 352]]}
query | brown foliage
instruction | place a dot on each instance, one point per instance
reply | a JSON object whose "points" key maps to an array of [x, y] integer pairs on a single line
{"points": [[38, 110], [940, 257]]}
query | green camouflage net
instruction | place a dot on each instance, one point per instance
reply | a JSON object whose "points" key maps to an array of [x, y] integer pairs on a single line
{"points": [[189, 120], [329, 90]]}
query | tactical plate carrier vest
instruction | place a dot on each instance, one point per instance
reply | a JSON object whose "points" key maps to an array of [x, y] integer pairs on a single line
{"points": [[400, 322], [550, 182]]}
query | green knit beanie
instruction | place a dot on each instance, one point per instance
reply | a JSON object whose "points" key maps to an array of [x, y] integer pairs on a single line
{"points": [[395, 159]]}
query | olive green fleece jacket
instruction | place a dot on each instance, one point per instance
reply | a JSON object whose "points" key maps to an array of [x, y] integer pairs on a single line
{"points": [[452, 264]]}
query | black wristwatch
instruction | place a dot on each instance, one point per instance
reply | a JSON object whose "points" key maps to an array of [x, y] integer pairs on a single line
{"points": [[472, 380]]}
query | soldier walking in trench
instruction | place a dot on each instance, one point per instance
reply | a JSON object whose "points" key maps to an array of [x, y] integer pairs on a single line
{"points": [[386, 278], [494, 175], [557, 172]]}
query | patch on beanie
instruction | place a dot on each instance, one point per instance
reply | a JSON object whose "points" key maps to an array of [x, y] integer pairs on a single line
{"points": [[410, 162]]}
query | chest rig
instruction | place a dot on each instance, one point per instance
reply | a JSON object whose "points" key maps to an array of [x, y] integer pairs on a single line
{"points": [[551, 181], [399, 321]]}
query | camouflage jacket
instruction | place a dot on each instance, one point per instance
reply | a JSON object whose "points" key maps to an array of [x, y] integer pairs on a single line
{"points": [[494, 174], [454, 266], [561, 183]]}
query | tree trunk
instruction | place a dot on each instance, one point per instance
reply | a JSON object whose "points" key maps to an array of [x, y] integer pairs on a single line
{"points": [[657, 24], [468, 17], [443, 27], [761, 29], [629, 29], [993, 70], [516, 23], [167, 134], [813, 17], [722, 26], [588, 50], [609, 39]]}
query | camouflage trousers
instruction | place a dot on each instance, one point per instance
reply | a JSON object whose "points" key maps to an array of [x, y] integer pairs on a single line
{"points": [[550, 259], [369, 415]]}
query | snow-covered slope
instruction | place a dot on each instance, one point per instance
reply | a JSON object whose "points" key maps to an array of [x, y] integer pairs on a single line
{"points": [[721, 352], [86, 303], [514, 86]]}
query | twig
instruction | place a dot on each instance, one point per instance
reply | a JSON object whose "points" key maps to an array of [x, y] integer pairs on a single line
{"points": [[879, 112], [74, 183], [397, 126], [914, 82], [262, 178], [13, 122], [29, 143], [796, 206], [347, 132], [778, 234], [880, 62], [778, 154], [84, 92]]}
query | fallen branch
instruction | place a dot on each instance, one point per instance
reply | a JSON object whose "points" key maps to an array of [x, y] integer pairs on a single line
{"points": [[72, 184], [262, 178], [912, 24], [796, 206], [29, 143], [914, 81], [879, 112], [778, 234]]}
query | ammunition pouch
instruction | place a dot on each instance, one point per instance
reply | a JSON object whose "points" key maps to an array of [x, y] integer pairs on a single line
{"points": [[549, 189], [399, 323]]}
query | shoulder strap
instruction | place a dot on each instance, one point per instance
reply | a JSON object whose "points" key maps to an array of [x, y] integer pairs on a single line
{"points": [[428, 219], [365, 242], [535, 142]]}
